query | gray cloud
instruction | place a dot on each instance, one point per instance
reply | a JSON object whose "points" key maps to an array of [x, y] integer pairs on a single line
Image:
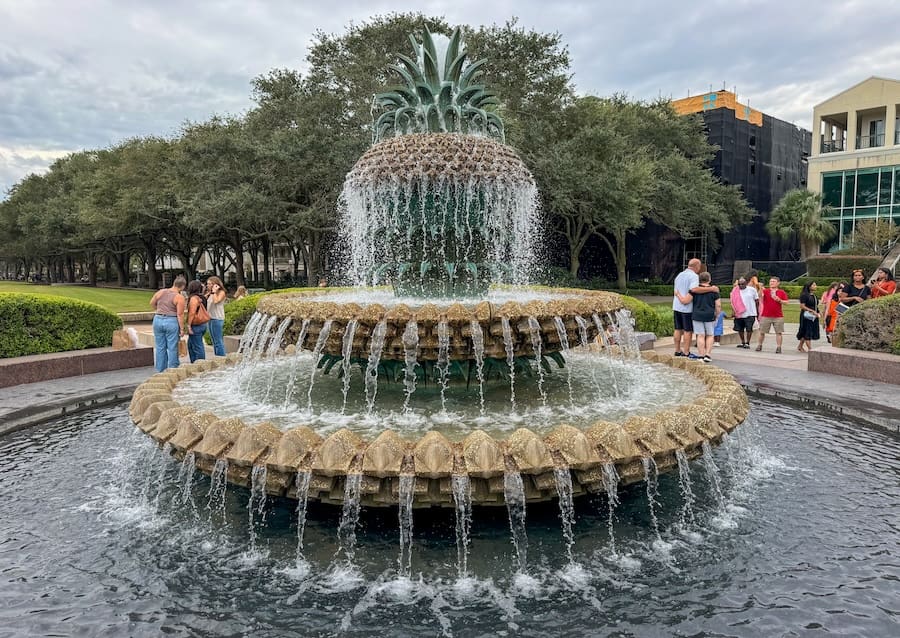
{"points": [[87, 74]]}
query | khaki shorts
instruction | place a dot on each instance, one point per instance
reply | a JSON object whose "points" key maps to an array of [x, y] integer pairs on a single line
{"points": [[767, 322]]}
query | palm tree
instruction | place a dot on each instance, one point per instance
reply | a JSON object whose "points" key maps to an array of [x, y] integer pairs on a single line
{"points": [[800, 213]]}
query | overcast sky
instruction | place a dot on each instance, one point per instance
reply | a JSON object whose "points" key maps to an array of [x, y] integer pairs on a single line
{"points": [[78, 74]]}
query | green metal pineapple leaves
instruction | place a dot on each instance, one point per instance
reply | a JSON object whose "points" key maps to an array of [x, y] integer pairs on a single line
{"points": [[437, 97]]}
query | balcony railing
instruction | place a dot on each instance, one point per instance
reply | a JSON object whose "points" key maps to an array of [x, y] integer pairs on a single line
{"points": [[869, 141], [831, 147]]}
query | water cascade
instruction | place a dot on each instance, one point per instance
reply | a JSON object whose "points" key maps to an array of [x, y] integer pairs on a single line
{"points": [[611, 486], [302, 486], [317, 352], [407, 482], [514, 495], [346, 351], [684, 479], [349, 516], [566, 508], [478, 350], [462, 499], [375, 348], [410, 358]]}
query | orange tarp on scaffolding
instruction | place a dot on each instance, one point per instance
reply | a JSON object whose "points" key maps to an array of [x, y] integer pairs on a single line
{"points": [[717, 100]]}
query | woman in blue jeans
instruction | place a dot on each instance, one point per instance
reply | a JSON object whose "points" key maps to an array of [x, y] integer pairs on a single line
{"points": [[197, 320], [167, 323], [215, 305]]}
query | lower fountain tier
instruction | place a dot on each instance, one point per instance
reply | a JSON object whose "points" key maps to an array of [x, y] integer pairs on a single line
{"points": [[512, 328], [590, 454]]}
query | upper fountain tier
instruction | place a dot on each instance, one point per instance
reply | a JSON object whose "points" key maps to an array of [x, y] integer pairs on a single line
{"points": [[439, 206]]}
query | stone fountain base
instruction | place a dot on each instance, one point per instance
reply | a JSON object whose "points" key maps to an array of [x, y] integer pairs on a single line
{"points": [[433, 459]]}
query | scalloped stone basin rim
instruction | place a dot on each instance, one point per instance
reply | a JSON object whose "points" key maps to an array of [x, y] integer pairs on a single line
{"points": [[433, 459], [523, 317]]}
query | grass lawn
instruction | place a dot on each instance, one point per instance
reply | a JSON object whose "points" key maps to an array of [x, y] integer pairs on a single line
{"points": [[114, 299]]}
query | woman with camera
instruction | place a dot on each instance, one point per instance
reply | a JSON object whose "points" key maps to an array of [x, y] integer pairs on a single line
{"points": [[215, 305]]}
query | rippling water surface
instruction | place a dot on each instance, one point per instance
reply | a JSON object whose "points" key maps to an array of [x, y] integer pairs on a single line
{"points": [[99, 536]]}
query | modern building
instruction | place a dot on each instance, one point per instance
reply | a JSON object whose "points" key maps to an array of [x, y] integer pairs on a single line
{"points": [[855, 160], [763, 155]]}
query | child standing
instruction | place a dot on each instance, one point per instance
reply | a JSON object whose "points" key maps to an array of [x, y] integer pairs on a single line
{"points": [[719, 329]]}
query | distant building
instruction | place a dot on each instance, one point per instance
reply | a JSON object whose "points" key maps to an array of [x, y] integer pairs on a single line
{"points": [[763, 155], [855, 161]]}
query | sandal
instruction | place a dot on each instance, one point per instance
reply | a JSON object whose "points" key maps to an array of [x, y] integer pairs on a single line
{"points": [[759, 348], [778, 350]]}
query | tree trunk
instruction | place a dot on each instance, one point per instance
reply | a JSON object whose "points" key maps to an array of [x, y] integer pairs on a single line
{"points": [[267, 275], [92, 272], [253, 248], [574, 260], [121, 272], [152, 257], [621, 278]]}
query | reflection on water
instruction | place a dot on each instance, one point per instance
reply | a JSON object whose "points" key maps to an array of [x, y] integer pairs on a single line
{"points": [[797, 532], [578, 395]]}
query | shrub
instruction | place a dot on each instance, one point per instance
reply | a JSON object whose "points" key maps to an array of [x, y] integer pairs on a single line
{"points": [[645, 317], [239, 311], [40, 324], [840, 266], [873, 325]]}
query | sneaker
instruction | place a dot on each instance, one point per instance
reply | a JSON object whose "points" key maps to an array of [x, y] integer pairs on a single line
{"points": [[746, 346], [741, 345], [716, 344], [679, 353], [707, 359], [693, 356]]}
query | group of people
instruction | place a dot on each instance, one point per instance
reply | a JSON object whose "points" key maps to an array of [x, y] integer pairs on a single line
{"points": [[192, 312], [696, 306], [843, 295]]}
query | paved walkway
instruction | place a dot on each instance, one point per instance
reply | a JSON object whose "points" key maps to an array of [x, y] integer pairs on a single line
{"points": [[785, 376], [765, 373]]}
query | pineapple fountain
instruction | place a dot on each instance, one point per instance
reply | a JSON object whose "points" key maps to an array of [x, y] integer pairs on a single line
{"points": [[450, 382]]}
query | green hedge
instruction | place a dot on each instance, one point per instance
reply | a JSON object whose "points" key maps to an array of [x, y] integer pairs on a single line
{"points": [[238, 312], [40, 324], [840, 266], [873, 325], [646, 319]]}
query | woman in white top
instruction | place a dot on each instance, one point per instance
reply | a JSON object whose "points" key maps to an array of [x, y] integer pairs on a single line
{"points": [[215, 306]]}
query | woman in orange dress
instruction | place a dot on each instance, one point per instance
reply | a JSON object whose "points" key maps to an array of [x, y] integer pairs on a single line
{"points": [[884, 284], [831, 315]]}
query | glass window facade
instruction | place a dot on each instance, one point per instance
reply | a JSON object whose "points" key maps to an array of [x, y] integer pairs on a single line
{"points": [[865, 193]]}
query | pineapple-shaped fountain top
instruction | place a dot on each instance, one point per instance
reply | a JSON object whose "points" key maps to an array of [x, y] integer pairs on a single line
{"points": [[439, 206], [438, 95]]}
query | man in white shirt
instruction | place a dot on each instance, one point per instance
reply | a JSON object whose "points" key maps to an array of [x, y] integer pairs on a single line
{"points": [[682, 305], [743, 321]]}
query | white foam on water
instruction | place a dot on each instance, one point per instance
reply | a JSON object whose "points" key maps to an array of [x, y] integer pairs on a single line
{"points": [[341, 577], [298, 571], [575, 576], [728, 519], [466, 587], [252, 558], [526, 585], [626, 562]]}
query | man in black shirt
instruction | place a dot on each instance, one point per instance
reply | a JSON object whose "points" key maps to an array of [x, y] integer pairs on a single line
{"points": [[705, 310]]}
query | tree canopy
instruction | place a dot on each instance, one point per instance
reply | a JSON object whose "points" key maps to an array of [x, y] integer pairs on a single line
{"points": [[271, 177]]}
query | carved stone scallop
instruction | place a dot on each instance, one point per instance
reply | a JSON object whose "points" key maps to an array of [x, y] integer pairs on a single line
{"points": [[253, 443], [219, 436], [336, 454], [574, 446], [292, 448], [483, 455], [529, 452], [433, 456], [384, 456]]}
